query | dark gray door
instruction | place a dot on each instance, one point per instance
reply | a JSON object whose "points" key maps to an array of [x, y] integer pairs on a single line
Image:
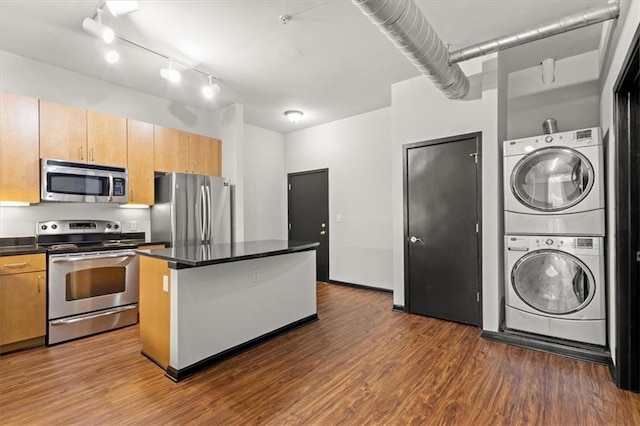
{"points": [[442, 243], [309, 214]]}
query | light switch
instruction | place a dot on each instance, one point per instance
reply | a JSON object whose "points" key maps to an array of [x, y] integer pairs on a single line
{"points": [[133, 225], [165, 283], [339, 218]]}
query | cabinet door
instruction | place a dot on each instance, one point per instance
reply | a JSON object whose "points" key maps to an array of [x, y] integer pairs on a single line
{"points": [[106, 139], [22, 307], [63, 132], [204, 155], [140, 162], [171, 149], [19, 156]]}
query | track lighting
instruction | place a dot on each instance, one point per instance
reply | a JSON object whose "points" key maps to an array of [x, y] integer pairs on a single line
{"points": [[293, 115], [112, 56], [170, 74], [211, 90], [97, 29]]}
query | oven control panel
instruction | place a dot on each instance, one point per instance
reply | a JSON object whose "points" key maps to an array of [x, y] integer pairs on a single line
{"points": [[62, 227]]}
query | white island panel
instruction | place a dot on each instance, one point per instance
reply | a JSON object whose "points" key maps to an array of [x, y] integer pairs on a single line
{"points": [[218, 307]]}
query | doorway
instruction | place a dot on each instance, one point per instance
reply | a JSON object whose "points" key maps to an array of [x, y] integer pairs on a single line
{"points": [[627, 128], [442, 228], [308, 207]]}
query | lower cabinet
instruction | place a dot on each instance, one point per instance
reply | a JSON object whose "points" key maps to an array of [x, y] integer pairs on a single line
{"points": [[23, 298]]}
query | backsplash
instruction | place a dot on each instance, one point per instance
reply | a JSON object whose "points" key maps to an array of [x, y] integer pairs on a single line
{"points": [[20, 221]]}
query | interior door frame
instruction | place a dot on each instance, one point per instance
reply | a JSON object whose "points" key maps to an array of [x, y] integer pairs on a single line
{"points": [[627, 353], [310, 172], [405, 188]]}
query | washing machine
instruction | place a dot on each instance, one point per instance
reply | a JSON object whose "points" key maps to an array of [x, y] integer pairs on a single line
{"points": [[555, 286], [554, 184]]}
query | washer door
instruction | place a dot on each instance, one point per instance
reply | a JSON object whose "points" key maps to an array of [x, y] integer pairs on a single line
{"points": [[552, 179], [553, 282]]}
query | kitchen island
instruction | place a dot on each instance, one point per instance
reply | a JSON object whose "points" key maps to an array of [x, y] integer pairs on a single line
{"points": [[201, 304]]}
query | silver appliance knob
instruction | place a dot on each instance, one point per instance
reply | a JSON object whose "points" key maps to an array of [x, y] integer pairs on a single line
{"points": [[43, 227], [54, 226], [108, 226], [549, 241], [116, 226]]}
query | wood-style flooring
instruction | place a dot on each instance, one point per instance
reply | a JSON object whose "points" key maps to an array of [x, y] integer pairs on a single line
{"points": [[361, 363]]}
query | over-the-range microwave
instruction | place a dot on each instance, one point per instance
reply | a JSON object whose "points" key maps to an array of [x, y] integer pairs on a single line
{"points": [[79, 182]]}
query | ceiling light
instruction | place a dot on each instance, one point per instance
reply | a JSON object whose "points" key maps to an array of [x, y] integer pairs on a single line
{"points": [[170, 74], [112, 56], [121, 7], [97, 29], [211, 90], [293, 115]]}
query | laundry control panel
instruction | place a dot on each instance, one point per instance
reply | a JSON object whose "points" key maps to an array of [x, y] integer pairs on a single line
{"points": [[574, 139], [578, 245]]}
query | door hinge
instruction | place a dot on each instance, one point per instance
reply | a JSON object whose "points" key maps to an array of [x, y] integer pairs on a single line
{"points": [[289, 227], [478, 297], [289, 187], [475, 156], [477, 228]]}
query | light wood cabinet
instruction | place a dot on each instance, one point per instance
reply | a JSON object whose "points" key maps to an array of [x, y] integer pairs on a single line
{"points": [[140, 159], [106, 139], [22, 301], [63, 132], [75, 134], [154, 306], [204, 155], [171, 149], [19, 152]]}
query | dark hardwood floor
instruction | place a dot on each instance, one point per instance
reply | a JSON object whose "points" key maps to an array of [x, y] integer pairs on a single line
{"points": [[361, 363]]}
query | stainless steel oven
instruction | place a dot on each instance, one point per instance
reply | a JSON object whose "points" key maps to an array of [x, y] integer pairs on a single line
{"points": [[90, 292]]}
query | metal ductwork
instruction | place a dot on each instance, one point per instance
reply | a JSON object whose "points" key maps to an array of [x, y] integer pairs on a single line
{"points": [[405, 25], [568, 23]]}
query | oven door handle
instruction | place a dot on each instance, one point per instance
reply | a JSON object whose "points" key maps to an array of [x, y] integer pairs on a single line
{"points": [[110, 187], [77, 259], [92, 316]]}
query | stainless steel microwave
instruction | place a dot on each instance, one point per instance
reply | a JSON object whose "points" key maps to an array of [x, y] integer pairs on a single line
{"points": [[78, 182]]}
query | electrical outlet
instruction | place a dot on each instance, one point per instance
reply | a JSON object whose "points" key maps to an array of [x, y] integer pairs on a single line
{"points": [[338, 218], [165, 283], [255, 276], [133, 225]]}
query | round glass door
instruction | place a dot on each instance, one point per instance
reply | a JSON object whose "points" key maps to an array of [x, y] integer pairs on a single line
{"points": [[552, 179], [553, 282]]}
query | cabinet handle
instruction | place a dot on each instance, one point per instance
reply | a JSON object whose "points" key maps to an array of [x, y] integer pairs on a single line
{"points": [[16, 265], [130, 195], [81, 153], [39, 279], [91, 152]]}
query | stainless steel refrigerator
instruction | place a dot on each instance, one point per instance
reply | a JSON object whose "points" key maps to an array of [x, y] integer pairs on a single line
{"points": [[191, 209]]}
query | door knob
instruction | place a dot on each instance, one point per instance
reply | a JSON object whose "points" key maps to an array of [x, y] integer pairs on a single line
{"points": [[323, 232], [414, 239]]}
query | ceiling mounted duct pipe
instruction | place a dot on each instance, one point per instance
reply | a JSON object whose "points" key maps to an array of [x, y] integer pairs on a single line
{"points": [[405, 25], [568, 23]]}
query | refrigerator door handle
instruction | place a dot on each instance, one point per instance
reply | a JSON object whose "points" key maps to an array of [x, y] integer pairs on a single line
{"points": [[209, 214], [203, 213]]}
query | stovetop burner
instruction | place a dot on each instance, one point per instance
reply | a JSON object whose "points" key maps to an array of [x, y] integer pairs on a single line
{"points": [[83, 235]]}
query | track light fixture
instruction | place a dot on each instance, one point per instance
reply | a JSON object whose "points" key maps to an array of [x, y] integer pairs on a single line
{"points": [[293, 115], [96, 28], [112, 56], [211, 90], [170, 74]]}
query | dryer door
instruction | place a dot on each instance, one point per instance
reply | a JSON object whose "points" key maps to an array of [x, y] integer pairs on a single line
{"points": [[553, 282], [552, 179]]}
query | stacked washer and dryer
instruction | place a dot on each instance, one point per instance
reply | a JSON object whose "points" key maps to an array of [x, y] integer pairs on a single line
{"points": [[554, 236]]}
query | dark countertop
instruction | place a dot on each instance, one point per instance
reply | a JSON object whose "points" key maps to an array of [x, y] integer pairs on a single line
{"points": [[182, 257]]}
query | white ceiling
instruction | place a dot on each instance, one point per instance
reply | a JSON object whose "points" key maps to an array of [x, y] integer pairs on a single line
{"points": [[329, 60]]}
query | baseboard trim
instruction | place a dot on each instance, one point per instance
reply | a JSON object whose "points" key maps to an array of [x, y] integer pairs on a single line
{"points": [[593, 354], [360, 286], [183, 373], [399, 308]]}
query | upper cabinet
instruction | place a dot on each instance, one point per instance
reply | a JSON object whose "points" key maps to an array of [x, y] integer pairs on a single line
{"points": [[63, 132], [171, 149], [204, 155], [106, 139], [75, 134], [140, 162], [19, 160]]}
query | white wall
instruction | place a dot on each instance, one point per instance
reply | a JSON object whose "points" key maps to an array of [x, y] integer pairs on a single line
{"points": [[265, 185], [420, 112], [32, 78], [572, 99], [624, 31], [356, 152]]}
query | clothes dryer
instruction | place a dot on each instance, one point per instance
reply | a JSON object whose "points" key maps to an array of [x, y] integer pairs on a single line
{"points": [[555, 286], [554, 184]]}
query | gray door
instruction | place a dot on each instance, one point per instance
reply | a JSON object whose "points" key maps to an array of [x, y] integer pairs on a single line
{"points": [[309, 214], [442, 243]]}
